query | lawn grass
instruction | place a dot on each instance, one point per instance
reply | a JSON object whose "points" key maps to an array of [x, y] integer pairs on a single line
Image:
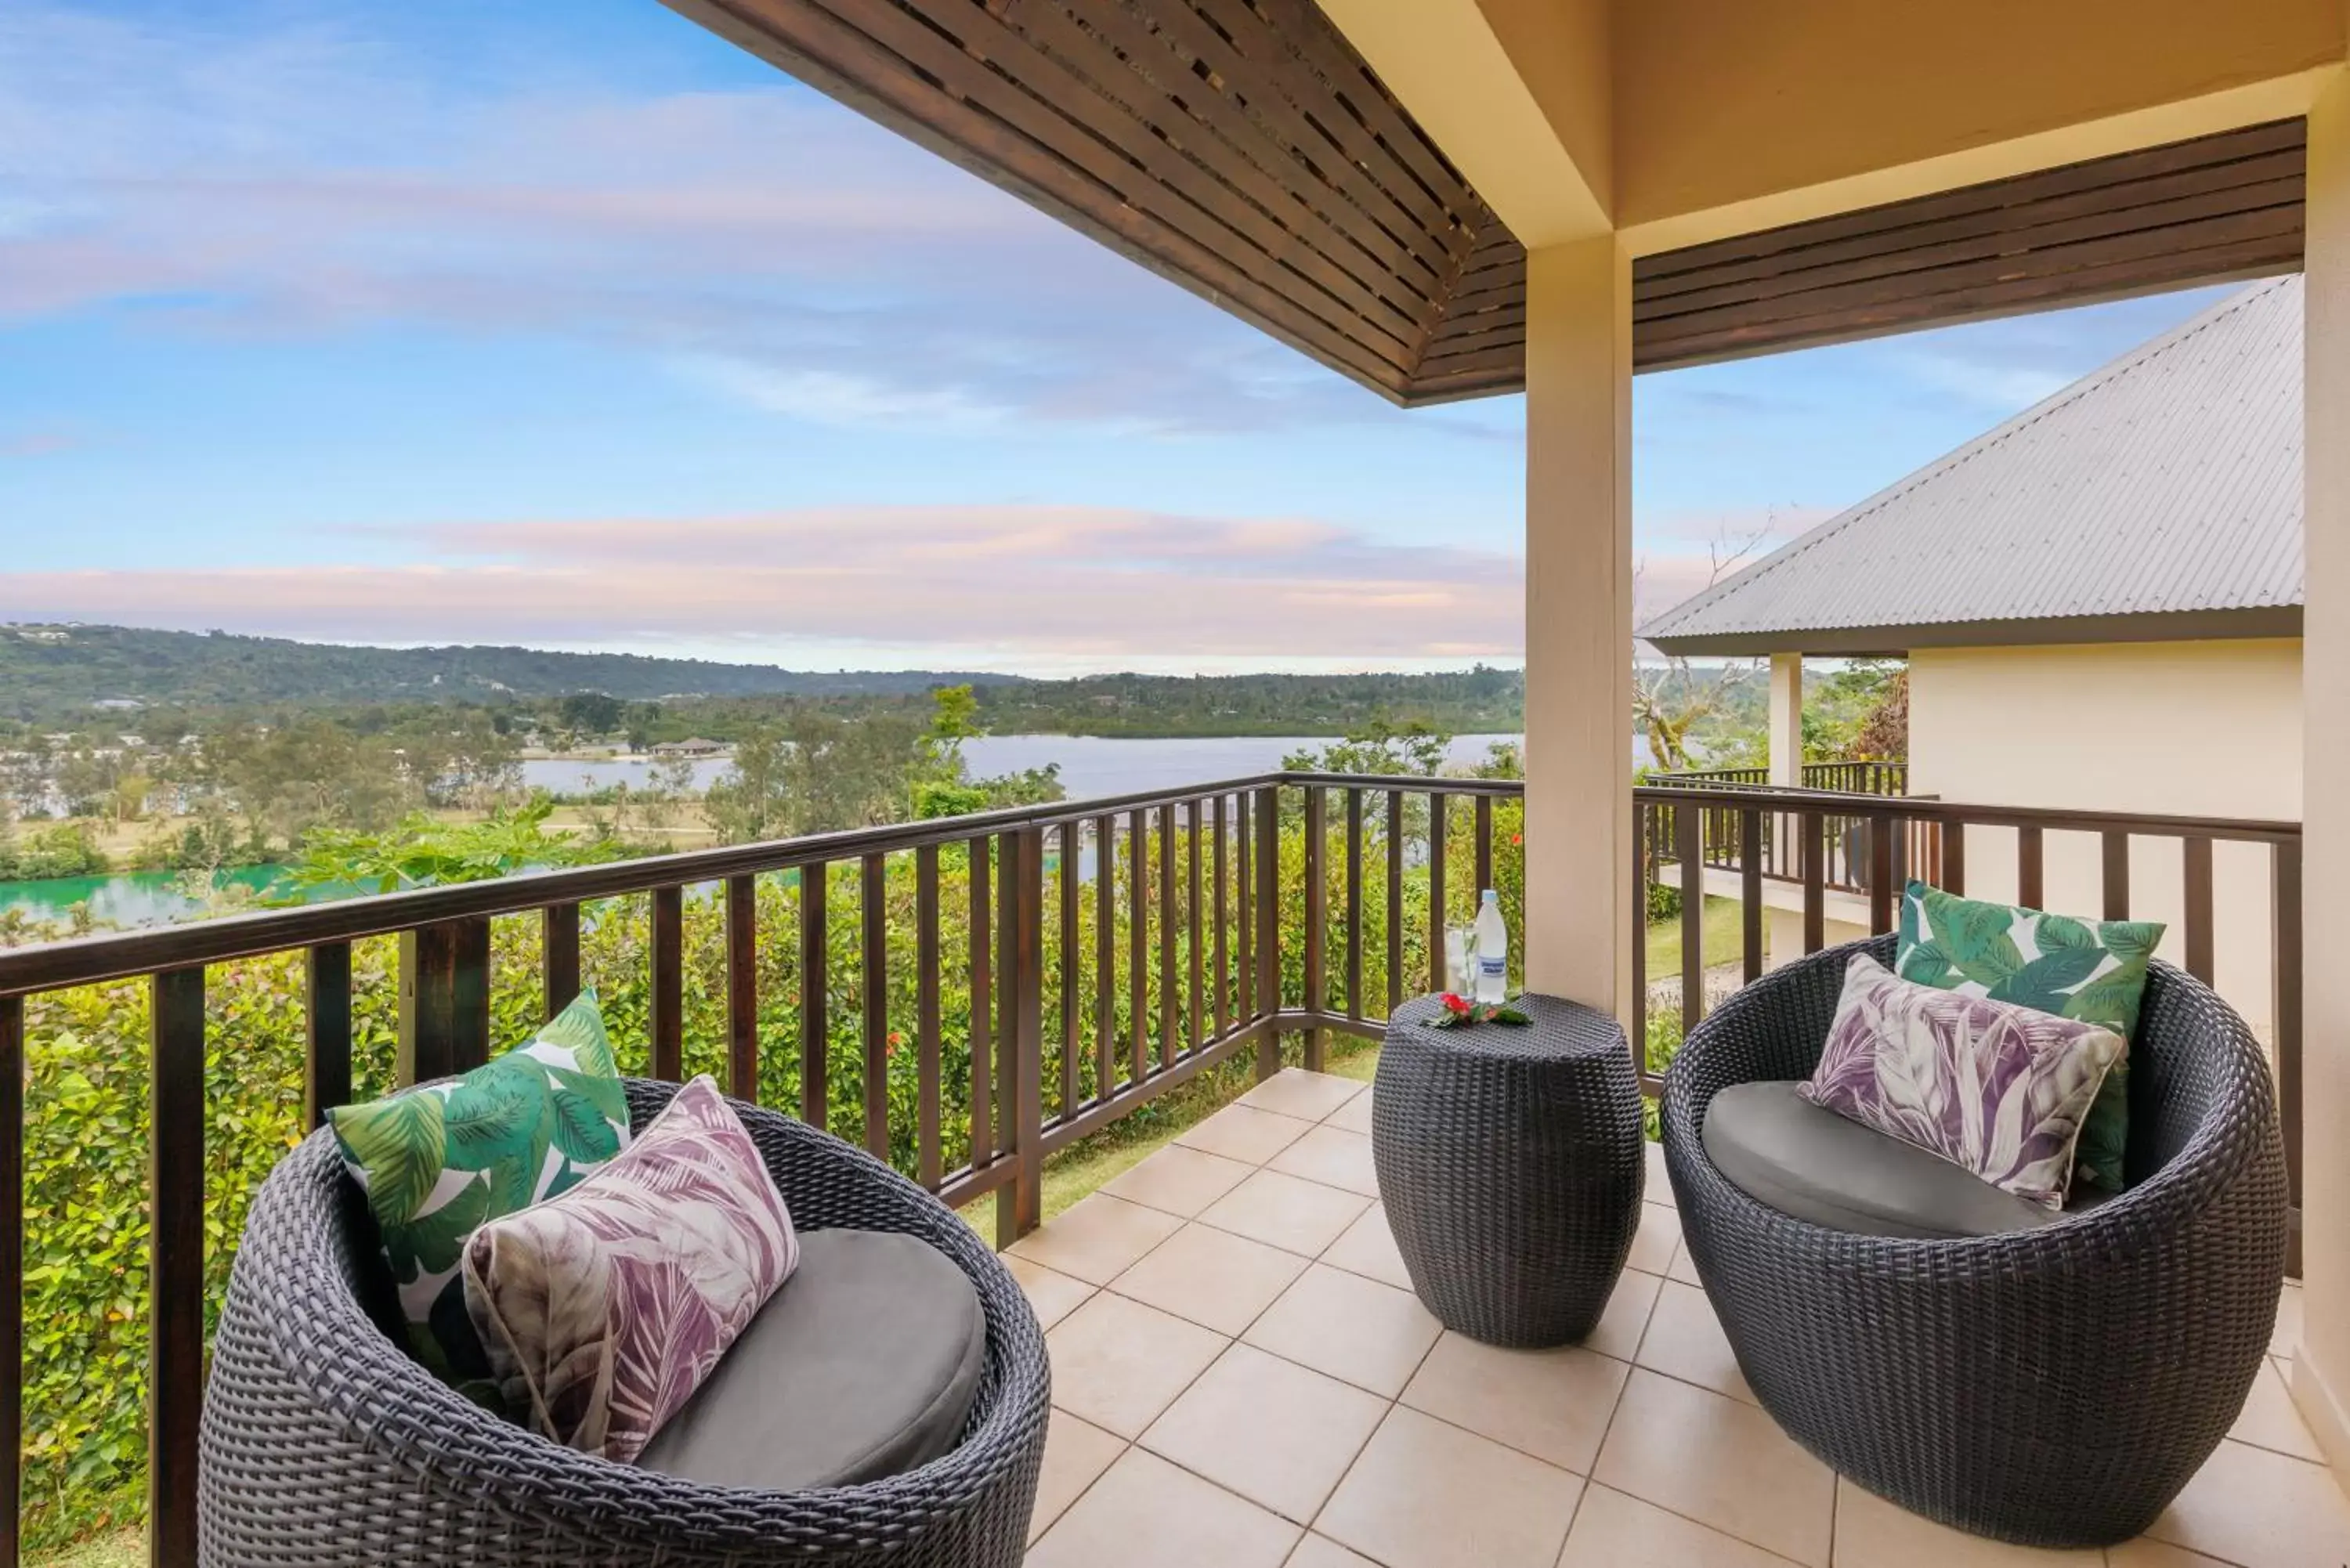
{"points": [[122, 1549], [1723, 941]]}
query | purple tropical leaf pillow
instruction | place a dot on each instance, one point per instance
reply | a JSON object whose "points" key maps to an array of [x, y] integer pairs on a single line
{"points": [[603, 1309], [1997, 1088]]}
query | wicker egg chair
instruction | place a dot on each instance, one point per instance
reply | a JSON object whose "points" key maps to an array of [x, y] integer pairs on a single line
{"points": [[2051, 1387], [324, 1444]]}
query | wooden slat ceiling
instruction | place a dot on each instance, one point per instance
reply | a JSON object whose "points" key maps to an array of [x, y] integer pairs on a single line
{"points": [[2218, 207], [1239, 147], [1243, 149]]}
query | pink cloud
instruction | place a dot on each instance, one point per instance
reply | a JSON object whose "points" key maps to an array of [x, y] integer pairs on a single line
{"points": [[37, 443], [753, 242], [1055, 582]]}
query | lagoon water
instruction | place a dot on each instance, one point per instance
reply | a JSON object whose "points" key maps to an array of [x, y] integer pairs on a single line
{"points": [[1092, 767]]}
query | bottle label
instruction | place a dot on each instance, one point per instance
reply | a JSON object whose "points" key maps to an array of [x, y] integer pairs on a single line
{"points": [[1500, 966]]}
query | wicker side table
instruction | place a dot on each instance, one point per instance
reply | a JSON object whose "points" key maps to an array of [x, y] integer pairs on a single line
{"points": [[1510, 1161]]}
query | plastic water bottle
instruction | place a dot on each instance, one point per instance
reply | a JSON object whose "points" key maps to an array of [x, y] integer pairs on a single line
{"points": [[1493, 952]]}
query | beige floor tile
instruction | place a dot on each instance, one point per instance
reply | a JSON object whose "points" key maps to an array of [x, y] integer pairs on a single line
{"points": [[2271, 1420], [1117, 1363], [1659, 1187], [1283, 1211], [1367, 1248], [1684, 1268], [1710, 1457], [1054, 1294], [1320, 1552], [1293, 1091], [1551, 1404], [1097, 1240], [1210, 1277], [1245, 1134], [1372, 1335], [2145, 1553], [2251, 1506], [1147, 1513], [1627, 1318], [1613, 1531], [1332, 1158], [1179, 1181], [1428, 1495], [1685, 1341], [1272, 1432], [1075, 1454], [2286, 1340], [1653, 1243], [1355, 1116], [1871, 1532]]}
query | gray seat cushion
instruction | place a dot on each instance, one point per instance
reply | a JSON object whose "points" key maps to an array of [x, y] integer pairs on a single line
{"points": [[865, 1364], [1783, 1151]]}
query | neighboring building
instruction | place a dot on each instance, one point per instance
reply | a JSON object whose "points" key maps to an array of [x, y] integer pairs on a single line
{"points": [[695, 747], [2101, 605]]}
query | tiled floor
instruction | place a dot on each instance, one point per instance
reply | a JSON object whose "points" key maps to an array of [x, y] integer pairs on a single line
{"points": [[1242, 1378]]}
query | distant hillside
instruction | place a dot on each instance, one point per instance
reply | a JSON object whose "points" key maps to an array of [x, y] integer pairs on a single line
{"points": [[51, 671]]}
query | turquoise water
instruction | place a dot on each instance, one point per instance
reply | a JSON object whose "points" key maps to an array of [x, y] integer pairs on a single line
{"points": [[134, 899]]}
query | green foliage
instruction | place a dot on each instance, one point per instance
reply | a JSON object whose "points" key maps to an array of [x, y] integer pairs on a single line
{"points": [[1664, 902], [1846, 710], [61, 849], [422, 852], [1377, 747]]}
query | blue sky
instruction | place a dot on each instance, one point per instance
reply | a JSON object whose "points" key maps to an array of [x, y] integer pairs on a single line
{"points": [[571, 325]]}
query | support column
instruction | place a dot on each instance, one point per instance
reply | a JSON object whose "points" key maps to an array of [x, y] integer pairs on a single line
{"points": [[1579, 825], [2321, 1381], [1786, 733]]}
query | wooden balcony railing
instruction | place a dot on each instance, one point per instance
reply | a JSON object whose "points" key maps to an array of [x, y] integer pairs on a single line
{"points": [[1048, 972]]}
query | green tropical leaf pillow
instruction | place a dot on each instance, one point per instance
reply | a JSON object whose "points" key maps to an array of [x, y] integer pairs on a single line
{"points": [[441, 1159], [2051, 963]]}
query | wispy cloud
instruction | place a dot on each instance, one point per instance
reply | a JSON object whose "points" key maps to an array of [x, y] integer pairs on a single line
{"points": [[315, 179], [1091, 584], [37, 444]]}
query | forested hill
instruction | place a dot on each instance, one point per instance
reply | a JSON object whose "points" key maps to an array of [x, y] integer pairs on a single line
{"points": [[56, 670], [69, 676]]}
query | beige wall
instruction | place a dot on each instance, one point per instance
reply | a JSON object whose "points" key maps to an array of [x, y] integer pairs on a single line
{"points": [[2190, 729], [2321, 1382]]}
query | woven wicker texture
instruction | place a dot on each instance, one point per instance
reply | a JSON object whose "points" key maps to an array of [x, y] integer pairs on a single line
{"points": [[325, 1445], [1510, 1162], [2055, 1386]]}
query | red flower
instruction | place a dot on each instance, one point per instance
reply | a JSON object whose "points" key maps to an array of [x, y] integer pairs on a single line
{"points": [[1454, 1004], [1517, 838]]}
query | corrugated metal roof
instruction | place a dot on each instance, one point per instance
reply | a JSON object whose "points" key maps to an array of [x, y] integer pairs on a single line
{"points": [[2166, 484]]}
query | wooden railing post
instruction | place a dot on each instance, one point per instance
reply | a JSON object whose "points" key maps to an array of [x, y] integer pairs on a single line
{"points": [[175, 1309], [327, 1030], [668, 1010], [1317, 932], [1268, 927], [1019, 1206], [742, 987], [445, 999], [559, 960]]}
